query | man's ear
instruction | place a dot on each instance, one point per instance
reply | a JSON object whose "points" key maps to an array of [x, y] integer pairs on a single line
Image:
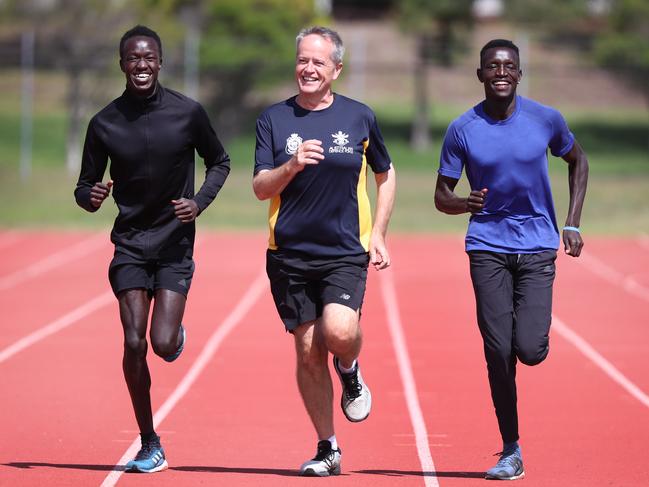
{"points": [[478, 73]]}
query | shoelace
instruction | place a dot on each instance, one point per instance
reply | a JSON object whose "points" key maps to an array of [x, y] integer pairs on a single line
{"points": [[325, 453], [147, 450], [353, 387], [507, 460]]}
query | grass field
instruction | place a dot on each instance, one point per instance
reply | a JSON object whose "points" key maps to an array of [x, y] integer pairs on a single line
{"points": [[617, 145]]}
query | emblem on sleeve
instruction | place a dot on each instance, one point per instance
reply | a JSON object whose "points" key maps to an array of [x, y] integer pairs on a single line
{"points": [[292, 143]]}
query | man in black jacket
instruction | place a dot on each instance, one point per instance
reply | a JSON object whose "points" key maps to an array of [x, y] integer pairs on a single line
{"points": [[149, 134]]}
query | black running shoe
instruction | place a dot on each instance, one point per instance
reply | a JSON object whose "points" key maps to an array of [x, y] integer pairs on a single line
{"points": [[325, 463]]}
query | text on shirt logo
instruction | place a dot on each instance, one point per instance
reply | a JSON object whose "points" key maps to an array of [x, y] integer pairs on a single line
{"points": [[341, 140]]}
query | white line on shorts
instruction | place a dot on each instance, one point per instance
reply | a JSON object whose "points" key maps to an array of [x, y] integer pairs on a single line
{"points": [[220, 333], [55, 260], [57, 325], [407, 378], [606, 272], [607, 367]]}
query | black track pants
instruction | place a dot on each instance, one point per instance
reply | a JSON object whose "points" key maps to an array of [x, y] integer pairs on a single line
{"points": [[514, 306]]}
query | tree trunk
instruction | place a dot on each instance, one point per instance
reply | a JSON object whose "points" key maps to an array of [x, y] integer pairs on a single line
{"points": [[73, 145], [420, 139]]}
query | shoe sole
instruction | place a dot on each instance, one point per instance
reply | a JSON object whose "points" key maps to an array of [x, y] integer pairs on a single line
{"points": [[349, 418], [515, 477], [309, 472], [163, 466]]}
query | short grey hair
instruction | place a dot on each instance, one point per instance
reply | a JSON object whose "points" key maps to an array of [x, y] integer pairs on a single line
{"points": [[331, 35]]}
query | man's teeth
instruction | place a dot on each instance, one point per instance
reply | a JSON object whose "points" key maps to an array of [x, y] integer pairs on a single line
{"points": [[143, 76]]}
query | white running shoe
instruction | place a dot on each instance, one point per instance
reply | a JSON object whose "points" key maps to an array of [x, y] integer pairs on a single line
{"points": [[356, 400], [325, 463]]}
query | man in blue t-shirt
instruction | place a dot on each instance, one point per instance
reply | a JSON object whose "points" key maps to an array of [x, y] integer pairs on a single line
{"points": [[512, 238], [311, 160]]}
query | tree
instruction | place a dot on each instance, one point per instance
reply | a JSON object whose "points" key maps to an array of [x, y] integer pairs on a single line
{"points": [[439, 28], [613, 33], [68, 38], [245, 46], [624, 45], [248, 45]]}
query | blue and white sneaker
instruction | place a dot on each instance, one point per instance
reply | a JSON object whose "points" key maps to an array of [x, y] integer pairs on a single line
{"points": [[509, 467], [174, 356], [150, 458]]}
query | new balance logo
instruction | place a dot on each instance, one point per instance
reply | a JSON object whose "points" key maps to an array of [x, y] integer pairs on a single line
{"points": [[182, 283], [345, 296]]}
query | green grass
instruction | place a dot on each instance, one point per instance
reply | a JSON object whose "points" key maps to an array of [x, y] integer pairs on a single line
{"points": [[617, 146]]}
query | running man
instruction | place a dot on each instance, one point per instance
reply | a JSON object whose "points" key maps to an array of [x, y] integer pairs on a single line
{"points": [[311, 161], [512, 237], [149, 134]]}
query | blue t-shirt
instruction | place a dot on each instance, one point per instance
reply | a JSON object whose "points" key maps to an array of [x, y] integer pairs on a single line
{"points": [[325, 210], [509, 158]]}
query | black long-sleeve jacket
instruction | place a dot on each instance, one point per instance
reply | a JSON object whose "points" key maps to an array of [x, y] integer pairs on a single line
{"points": [[150, 144]]}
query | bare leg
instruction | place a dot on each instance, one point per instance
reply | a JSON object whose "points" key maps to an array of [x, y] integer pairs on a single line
{"points": [[168, 310], [134, 312], [342, 332], [313, 378]]}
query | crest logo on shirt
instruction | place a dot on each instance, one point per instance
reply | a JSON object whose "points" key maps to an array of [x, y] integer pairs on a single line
{"points": [[292, 143], [341, 139]]}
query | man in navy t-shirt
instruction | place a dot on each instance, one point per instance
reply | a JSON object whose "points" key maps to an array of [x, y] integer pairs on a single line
{"points": [[311, 160], [513, 236]]}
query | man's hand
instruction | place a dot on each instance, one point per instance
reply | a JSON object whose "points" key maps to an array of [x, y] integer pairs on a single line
{"points": [[572, 243], [186, 210], [309, 152], [379, 257], [99, 193], [475, 201]]}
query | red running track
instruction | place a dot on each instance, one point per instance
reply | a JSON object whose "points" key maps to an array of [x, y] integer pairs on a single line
{"points": [[66, 417]]}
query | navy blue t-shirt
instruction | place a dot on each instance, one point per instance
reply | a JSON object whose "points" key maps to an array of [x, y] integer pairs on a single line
{"points": [[325, 210], [509, 158]]}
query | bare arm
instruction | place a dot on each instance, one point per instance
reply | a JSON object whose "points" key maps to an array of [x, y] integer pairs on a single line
{"points": [[271, 182], [385, 194], [448, 202], [577, 182]]}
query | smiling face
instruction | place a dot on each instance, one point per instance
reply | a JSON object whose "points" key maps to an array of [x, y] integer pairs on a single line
{"points": [[315, 70], [500, 73], [141, 64]]}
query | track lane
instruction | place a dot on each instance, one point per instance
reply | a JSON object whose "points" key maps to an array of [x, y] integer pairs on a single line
{"points": [[68, 417], [573, 417], [244, 424]]}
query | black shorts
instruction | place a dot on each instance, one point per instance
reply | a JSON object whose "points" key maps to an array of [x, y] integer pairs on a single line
{"points": [[302, 285], [173, 273]]}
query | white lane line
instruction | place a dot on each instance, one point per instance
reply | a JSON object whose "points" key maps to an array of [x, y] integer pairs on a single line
{"points": [[231, 321], [57, 325], [407, 378], [606, 272], [55, 260], [607, 367]]}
